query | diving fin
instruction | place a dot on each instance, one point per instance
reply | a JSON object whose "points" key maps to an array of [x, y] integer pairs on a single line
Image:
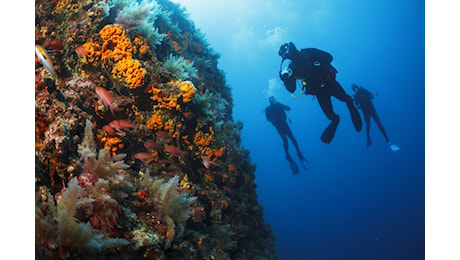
{"points": [[355, 116], [303, 161], [369, 142], [329, 132], [294, 167], [393, 147]]}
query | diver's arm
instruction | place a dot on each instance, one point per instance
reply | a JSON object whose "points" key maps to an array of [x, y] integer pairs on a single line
{"points": [[267, 114], [287, 108], [289, 83]]}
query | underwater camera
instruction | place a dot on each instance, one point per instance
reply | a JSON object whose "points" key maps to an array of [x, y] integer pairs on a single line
{"points": [[285, 73]]}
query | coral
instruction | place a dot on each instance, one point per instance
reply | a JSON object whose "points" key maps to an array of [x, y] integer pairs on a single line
{"points": [[222, 236], [178, 184], [155, 122], [188, 91], [104, 166], [116, 45], [180, 68], [92, 47], [131, 71], [141, 17], [170, 205], [141, 45], [67, 232], [213, 106]]}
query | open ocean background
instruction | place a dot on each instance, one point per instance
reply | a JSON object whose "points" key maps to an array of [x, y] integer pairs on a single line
{"points": [[355, 202]]}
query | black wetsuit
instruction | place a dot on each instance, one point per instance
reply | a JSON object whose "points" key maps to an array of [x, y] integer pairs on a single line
{"points": [[363, 101], [314, 67], [276, 114]]}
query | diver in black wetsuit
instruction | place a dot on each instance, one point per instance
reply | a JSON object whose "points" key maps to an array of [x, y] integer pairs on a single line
{"points": [[363, 101], [276, 114], [313, 67]]}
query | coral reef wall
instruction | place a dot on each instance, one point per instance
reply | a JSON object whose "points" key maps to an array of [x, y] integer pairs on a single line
{"points": [[137, 154]]}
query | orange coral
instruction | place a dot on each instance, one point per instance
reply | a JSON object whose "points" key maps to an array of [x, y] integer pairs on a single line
{"points": [[155, 122], [164, 100], [204, 139], [115, 44], [168, 97], [112, 143], [203, 142], [141, 44], [188, 91], [131, 71]]}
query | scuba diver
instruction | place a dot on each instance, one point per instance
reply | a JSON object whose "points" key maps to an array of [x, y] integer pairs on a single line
{"points": [[313, 67], [276, 114], [363, 101]]}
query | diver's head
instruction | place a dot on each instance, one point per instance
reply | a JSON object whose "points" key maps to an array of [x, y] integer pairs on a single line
{"points": [[287, 50], [354, 87], [272, 100]]}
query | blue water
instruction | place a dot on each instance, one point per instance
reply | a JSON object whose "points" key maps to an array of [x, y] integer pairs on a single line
{"points": [[355, 202]]}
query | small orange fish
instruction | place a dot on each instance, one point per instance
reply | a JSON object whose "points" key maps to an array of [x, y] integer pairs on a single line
{"points": [[106, 98], [152, 146], [109, 130], [122, 124], [81, 51], [144, 156], [174, 151]]}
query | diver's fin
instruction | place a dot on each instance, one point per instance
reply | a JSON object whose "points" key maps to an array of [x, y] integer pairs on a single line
{"points": [[329, 132], [355, 116], [369, 142], [393, 147], [303, 161], [294, 167]]}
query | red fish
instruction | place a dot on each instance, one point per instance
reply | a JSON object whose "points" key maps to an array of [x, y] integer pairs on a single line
{"points": [[163, 135], [122, 124], [207, 162], [106, 98], [143, 156], [56, 44], [174, 151], [109, 130], [152, 146]]}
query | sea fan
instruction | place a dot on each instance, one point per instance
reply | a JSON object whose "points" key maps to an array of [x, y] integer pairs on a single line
{"points": [[180, 68], [214, 107], [141, 17], [104, 166], [174, 207], [67, 232]]}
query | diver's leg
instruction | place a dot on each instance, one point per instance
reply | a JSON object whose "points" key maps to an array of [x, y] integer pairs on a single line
{"points": [[340, 94], [285, 141], [292, 164], [293, 140], [367, 119], [324, 101], [302, 159], [379, 124]]}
